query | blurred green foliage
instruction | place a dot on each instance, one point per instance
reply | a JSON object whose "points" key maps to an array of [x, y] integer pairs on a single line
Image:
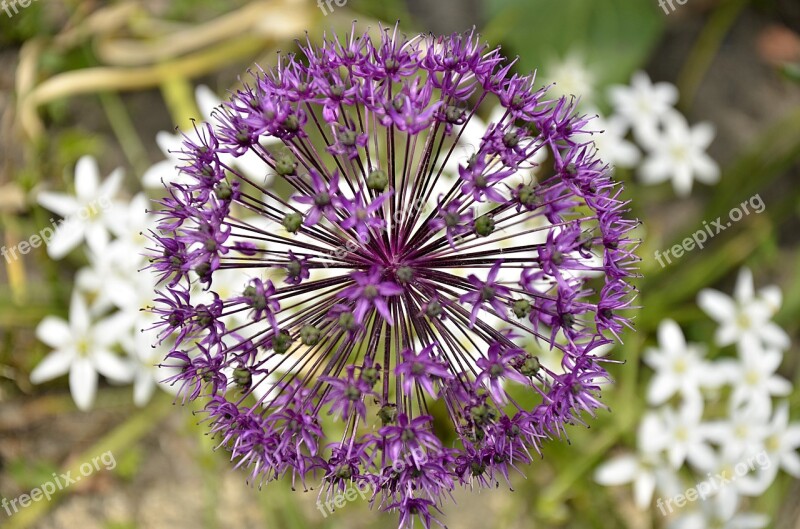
{"points": [[613, 36]]}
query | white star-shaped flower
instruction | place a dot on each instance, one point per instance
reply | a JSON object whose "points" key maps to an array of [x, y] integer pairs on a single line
{"points": [[782, 442], [572, 77], [642, 104], [743, 432], [677, 152], [679, 367], [686, 436], [731, 478], [646, 470], [746, 315], [87, 214], [81, 348], [145, 354], [709, 514], [756, 380], [610, 142]]}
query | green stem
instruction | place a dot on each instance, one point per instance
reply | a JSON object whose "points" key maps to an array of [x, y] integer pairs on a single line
{"points": [[124, 130], [705, 49]]}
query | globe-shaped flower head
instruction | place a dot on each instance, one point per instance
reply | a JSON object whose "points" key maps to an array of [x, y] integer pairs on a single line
{"points": [[391, 315]]}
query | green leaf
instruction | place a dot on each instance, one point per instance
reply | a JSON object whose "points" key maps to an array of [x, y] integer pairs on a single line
{"points": [[614, 37]]}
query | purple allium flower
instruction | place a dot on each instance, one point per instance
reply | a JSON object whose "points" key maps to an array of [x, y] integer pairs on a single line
{"points": [[364, 217], [371, 292], [348, 395], [385, 282], [489, 292], [421, 370]]}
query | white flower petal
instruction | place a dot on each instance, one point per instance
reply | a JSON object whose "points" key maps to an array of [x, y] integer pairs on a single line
{"points": [[670, 336], [83, 383], [779, 386], [706, 169], [662, 387], [87, 178], [749, 521], [727, 501], [143, 387], [78, 315], [59, 203], [717, 305], [111, 185], [207, 101], [169, 144], [744, 291], [703, 134], [775, 336], [727, 334], [53, 365], [164, 170], [682, 180], [772, 296], [643, 490], [54, 332], [97, 237], [654, 171], [66, 238], [650, 434], [112, 366], [790, 462], [617, 471]]}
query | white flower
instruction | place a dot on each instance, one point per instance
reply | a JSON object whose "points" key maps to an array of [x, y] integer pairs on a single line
{"points": [[165, 171], [610, 141], [642, 104], [679, 367], [732, 477], [756, 381], [132, 223], [87, 214], [743, 432], [782, 442], [113, 278], [94, 281], [82, 349], [710, 515], [250, 164], [685, 436], [746, 315], [141, 345], [572, 77], [645, 470], [677, 152]]}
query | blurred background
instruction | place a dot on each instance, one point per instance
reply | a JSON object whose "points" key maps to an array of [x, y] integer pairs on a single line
{"points": [[113, 80]]}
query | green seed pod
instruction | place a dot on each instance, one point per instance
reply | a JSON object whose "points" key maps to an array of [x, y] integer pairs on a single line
{"points": [[378, 180], [292, 222], [484, 225]]}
